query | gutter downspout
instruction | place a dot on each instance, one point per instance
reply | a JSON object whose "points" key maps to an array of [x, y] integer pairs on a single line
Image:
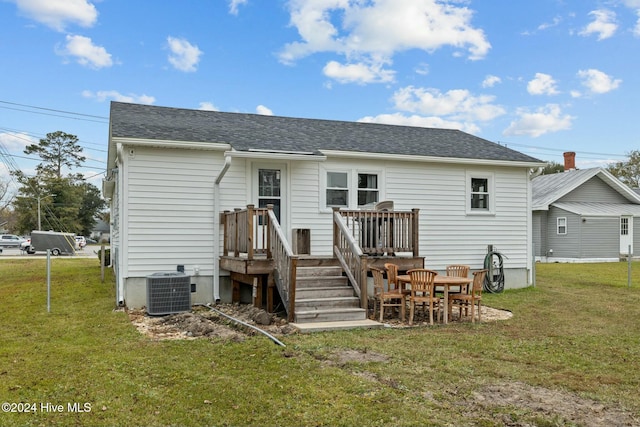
{"points": [[216, 228]]}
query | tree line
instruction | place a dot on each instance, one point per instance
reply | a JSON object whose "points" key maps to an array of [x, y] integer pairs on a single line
{"points": [[56, 197]]}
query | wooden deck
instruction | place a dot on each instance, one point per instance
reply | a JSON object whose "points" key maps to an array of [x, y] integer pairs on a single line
{"points": [[257, 254]]}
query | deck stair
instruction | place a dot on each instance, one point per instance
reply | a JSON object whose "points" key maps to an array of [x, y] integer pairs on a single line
{"points": [[323, 294]]}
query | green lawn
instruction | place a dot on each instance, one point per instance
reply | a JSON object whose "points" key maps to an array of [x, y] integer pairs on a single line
{"points": [[574, 340]]}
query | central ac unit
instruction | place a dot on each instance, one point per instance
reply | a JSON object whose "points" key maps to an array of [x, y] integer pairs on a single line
{"points": [[168, 293]]}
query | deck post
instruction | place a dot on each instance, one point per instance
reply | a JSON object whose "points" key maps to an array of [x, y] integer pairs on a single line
{"points": [[225, 228], [336, 235], [415, 232], [364, 297], [250, 223], [268, 224]]}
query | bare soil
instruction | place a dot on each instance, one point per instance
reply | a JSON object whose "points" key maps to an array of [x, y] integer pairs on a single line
{"points": [[564, 407]]}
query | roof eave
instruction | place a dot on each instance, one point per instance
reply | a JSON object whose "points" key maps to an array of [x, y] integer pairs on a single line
{"points": [[431, 159]]}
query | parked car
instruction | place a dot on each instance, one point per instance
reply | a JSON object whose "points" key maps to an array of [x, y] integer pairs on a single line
{"points": [[11, 240], [81, 242]]}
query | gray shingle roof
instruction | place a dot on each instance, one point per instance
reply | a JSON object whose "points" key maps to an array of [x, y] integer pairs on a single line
{"points": [[272, 133]]}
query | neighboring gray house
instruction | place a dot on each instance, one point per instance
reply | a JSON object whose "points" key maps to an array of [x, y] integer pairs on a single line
{"points": [[171, 172], [584, 215]]}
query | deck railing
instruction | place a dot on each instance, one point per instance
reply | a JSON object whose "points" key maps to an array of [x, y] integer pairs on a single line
{"points": [[380, 232], [350, 256], [245, 232], [284, 262]]}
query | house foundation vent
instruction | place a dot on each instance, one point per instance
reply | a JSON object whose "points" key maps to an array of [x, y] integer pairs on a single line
{"points": [[168, 293]]}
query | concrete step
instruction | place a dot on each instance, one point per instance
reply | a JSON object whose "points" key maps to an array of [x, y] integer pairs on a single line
{"points": [[333, 326], [330, 315], [324, 292], [320, 281], [318, 303]]}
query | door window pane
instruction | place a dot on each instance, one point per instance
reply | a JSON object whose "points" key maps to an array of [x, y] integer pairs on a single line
{"points": [[269, 189]]}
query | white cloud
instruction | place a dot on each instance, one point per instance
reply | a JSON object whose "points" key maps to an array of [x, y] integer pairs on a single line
{"points": [[86, 53], [636, 29], [457, 104], [57, 14], [420, 121], [103, 95], [372, 32], [542, 84], [597, 81], [208, 106], [544, 26], [491, 81], [603, 24], [358, 73], [234, 4], [261, 109], [184, 56], [15, 142], [544, 120]]}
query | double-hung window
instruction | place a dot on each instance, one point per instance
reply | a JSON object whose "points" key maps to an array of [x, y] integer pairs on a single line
{"points": [[480, 193], [561, 225], [337, 189]]}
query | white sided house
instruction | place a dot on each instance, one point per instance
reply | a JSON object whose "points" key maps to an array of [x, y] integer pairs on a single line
{"points": [[172, 173]]}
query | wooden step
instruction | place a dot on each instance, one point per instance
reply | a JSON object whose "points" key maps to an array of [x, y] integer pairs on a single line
{"points": [[319, 271], [306, 282], [330, 315], [321, 303], [324, 292]]}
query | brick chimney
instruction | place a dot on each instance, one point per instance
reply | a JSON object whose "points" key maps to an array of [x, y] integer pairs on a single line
{"points": [[569, 160]]}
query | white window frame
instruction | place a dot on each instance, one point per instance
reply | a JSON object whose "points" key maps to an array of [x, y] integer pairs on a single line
{"points": [[352, 183], [491, 193], [369, 190], [326, 188], [563, 220]]}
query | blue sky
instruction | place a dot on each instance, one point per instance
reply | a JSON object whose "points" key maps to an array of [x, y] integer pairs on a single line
{"points": [[542, 76]]}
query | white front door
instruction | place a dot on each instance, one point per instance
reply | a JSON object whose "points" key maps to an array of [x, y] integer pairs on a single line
{"points": [[626, 234]]}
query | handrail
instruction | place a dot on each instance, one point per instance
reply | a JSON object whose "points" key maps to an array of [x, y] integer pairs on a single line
{"points": [[284, 263], [350, 256]]}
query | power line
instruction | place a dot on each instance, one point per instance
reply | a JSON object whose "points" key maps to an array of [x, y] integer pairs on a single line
{"points": [[51, 109]]}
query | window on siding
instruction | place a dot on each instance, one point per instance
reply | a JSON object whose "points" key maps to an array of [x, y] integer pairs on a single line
{"points": [[367, 188], [624, 226], [562, 225], [337, 189], [480, 194]]}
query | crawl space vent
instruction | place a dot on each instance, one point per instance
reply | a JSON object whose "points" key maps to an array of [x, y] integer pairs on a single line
{"points": [[168, 293]]}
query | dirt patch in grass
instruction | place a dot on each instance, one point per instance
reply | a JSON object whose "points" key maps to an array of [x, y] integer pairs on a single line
{"points": [[567, 408], [203, 322]]}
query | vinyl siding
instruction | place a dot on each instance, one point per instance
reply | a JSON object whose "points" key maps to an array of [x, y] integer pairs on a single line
{"points": [[600, 237], [169, 204], [594, 190], [568, 245], [169, 201]]}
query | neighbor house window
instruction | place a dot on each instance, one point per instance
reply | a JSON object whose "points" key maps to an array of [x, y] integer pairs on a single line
{"points": [[367, 188], [480, 193], [337, 189], [562, 225], [624, 226]]}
